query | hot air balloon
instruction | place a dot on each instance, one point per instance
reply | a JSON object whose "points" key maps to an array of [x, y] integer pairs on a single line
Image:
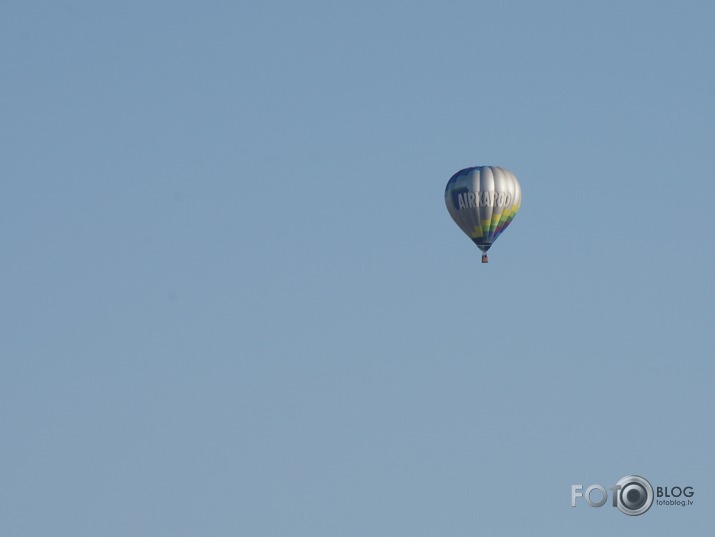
{"points": [[483, 201]]}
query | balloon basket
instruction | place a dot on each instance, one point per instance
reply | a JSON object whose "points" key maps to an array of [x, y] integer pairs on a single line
{"points": [[485, 258]]}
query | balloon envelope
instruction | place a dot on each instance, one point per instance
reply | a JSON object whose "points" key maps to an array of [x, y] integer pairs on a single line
{"points": [[483, 201]]}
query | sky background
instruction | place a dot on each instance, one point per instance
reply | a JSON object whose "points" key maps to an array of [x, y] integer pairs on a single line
{"points": [[233, 302]]}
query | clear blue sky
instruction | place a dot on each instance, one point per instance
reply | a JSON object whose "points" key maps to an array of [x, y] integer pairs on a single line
{"points": [[232, 301]]}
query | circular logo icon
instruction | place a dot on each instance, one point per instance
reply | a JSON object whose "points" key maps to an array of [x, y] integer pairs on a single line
{"points": [[635, 495]]}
